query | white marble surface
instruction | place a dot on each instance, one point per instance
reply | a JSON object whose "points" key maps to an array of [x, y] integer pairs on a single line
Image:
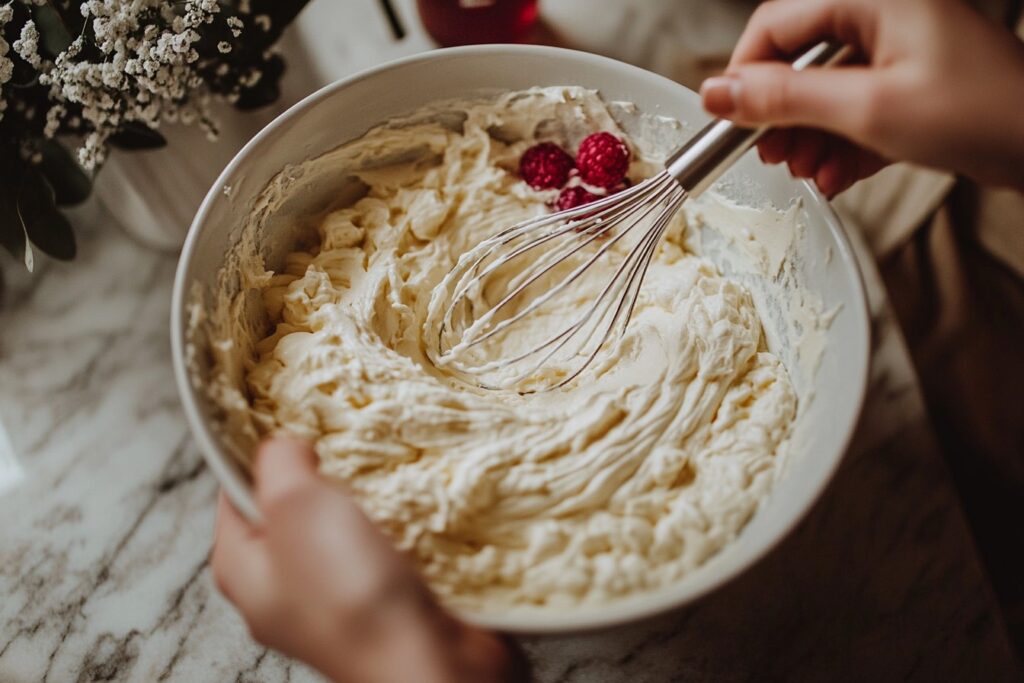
{"points": [[103, 572], [104, 544]]}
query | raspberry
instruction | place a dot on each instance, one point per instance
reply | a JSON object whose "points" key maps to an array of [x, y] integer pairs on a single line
{"points": [[571, 197], [603, 160], [545, 166]]}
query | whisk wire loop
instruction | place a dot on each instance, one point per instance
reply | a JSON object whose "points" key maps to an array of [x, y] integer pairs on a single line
{"points": [[576, 239], [570, 244]]}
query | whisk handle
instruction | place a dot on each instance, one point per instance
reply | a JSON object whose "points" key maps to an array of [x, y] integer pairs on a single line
{"points": [[709, 153]]}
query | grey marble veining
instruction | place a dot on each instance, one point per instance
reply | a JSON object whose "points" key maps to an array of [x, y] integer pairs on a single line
{"points": [[104, 544], [103, 554]]}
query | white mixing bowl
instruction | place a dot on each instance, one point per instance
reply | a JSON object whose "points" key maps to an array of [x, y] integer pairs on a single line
{"points": [[821, 258]]}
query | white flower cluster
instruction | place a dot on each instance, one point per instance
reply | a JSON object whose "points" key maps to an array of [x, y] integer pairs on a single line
{"points": [[147, 74], [6, 65], [148, 70], [27, 45]]}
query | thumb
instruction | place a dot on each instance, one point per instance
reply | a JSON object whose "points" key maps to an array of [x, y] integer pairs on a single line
{"points": [[284, 464], [766, 94]]}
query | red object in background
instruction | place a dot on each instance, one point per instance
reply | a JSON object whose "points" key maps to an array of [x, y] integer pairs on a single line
{"points": [[470, 22]]}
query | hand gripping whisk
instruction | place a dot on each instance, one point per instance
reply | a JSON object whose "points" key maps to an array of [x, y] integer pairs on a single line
{"points": [[526, 310]]}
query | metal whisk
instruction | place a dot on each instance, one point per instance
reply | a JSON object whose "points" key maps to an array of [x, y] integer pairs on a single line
{"points": [[542, 270]]}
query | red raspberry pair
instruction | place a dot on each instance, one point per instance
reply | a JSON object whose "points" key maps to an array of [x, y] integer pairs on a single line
{"points": [[602, 161]]}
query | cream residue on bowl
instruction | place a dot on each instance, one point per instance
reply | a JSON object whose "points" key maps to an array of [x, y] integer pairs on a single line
{"points": [[625, 480]]}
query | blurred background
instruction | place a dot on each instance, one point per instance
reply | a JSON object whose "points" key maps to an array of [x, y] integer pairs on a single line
{"points": [[685, 40]]}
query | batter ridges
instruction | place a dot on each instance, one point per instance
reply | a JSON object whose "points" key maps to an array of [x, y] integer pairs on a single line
{"points": [[623, 481]]}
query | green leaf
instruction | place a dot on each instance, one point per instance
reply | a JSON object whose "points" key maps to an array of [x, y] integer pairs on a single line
{"points": [[44, 224], [54, 35], [52, 233], [71, 184], [281, 15], [12, 232], [263, 93], [137, 136], [267, 90]]}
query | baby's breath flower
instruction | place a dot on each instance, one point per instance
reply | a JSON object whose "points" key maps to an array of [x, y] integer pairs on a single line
{"points": [[6, 65], [27, 46], [250, 78], [53, 119], [148, 74], [140, 62]]}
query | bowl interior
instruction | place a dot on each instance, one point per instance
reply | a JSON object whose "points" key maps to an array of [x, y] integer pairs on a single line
{"points": [[820, 262]]}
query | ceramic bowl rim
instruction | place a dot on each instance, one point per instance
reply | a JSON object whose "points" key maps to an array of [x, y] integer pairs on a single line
{"points": [[548, 621]]}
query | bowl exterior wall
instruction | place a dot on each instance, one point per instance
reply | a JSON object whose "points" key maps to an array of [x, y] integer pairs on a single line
{"points": [[347, 109]]}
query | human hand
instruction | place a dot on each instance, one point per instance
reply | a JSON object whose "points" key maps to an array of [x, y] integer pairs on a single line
{"points": [[935, 83], [320, 583]]}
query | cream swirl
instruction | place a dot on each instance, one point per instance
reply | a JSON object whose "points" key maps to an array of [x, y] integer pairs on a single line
{"points": [[625, 480]]}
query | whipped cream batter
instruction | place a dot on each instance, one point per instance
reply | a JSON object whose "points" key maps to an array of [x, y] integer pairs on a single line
{"points": [[623, 481]]}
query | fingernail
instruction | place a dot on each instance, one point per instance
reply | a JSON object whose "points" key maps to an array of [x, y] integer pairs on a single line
{"points": [[720, 94]]}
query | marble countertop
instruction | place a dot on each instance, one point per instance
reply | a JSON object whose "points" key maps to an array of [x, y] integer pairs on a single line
{"points": [[103, 553]]}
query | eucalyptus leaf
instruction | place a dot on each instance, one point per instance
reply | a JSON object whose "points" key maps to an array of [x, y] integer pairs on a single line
{"points": [[267, 90], [71, 184], [263, 93], [42, 221], [137, 136], [12, 232], [52, 233], [281, 15], [54, 36]]}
